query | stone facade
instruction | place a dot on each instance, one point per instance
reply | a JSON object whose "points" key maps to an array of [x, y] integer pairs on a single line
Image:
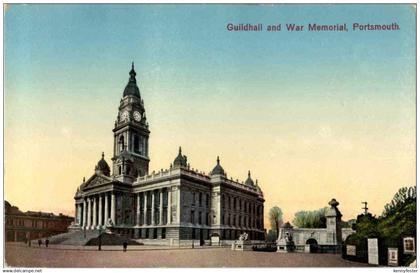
{"points": [[21, 226], [327, 239], [172, 205]]}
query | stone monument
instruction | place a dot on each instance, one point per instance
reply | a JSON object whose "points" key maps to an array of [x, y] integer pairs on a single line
{"points": [[242, 243], [285, 242]]}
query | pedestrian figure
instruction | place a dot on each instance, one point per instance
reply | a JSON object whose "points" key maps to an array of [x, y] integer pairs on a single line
{"points": [[125, 246], [39, 242], [47, 242]]}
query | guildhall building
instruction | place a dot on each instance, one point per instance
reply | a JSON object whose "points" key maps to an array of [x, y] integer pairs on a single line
{"points": [[171, 205]]}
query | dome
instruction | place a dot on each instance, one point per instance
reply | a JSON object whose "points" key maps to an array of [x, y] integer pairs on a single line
{"points": [[102, 166], [132, 89], [180, 160], [249, 181], [218, 170]]}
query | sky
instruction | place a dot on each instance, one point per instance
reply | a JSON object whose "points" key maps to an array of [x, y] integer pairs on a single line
{"points": [[312, 115]]}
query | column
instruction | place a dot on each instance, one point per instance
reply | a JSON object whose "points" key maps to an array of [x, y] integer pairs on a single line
{"points": [[129, 142], [79, 214], [106, 216], [94, 222], [76, 218], [89, 212], [145, 208], [84, 212], [178, 205], [113, 208], [100, 223], [153, 207], [169, 205], [161, 207], [138, 210]]}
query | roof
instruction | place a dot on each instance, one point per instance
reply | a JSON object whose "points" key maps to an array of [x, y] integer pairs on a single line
{"points": [[249, 181], [132, 89], [103, 167], [13, 210], [180, 160], [218, 169]]}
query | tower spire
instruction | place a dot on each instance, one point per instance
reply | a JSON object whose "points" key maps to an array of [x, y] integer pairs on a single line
{"points": [[132, 88], [132, 73]]}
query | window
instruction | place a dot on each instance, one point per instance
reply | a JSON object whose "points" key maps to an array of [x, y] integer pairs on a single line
{"points": [[163, 233], [119, 169], [199, 218], [121, 143], [208, 200], [208, 218], [136, 143], [193, 198], [200, 199], [192, 217]]}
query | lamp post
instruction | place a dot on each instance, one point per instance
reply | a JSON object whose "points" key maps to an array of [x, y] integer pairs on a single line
{"points": [[100, 238]]}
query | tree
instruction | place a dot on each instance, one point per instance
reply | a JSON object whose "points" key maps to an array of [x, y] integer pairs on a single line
{"points": [[276, 219], [365, 227], [403, 196], [397, 220], [310, 219], [348, 224], [272, 236], [399, 216]]}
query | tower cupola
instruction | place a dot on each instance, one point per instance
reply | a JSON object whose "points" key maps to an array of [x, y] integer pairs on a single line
{"points": [[132, 89], [218, 169]]}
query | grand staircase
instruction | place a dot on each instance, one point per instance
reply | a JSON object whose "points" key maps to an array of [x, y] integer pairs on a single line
{"points": [[71, 238]]}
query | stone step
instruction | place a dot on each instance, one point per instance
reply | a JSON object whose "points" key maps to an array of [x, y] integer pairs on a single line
{"points": [[79, 237]]}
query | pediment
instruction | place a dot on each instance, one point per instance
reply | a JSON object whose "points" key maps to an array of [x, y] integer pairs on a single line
{"points": [[96, 180]]}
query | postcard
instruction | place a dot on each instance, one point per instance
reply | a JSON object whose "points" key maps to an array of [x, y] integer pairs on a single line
{"points": [[209, 135]]}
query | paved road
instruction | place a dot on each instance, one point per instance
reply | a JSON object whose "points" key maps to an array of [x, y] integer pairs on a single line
{"points": [[22, 256]]}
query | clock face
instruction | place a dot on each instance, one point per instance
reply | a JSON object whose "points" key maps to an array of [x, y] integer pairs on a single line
{"points": [[124, 116], [137, 116]]}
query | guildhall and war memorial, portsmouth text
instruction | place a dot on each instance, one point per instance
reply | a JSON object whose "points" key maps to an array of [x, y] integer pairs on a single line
{"points": [[311, 27]]}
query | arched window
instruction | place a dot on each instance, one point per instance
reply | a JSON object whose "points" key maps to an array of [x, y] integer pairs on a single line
{"points": [[121, 143], [136, 144]]}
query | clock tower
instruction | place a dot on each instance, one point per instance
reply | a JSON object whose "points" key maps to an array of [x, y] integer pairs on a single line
{"points": [[131, 135]]}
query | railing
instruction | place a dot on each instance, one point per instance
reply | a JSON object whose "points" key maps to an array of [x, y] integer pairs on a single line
{"points": [[193, 173], [171, 171]]}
